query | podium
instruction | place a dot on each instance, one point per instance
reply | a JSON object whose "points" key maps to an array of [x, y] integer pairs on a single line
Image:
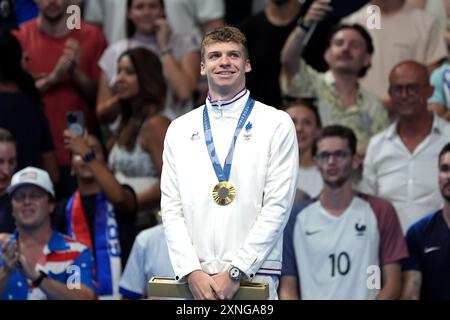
{"points": [[170, 288]]}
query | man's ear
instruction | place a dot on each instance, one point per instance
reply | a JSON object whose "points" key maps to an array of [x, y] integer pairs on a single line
{"points": [[202, 69], [326, 56], [429, 90], [248, 66], [367, 60], [51, 205], [357, 161]]}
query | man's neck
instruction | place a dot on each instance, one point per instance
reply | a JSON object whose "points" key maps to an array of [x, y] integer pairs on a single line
{"points": [[446, 212], [413, 131], [282, 15], [55, 29], [306, 159], [336, 201], [88, 187], [420, 125], [8, 87], [36, 237], [346, 87], [217, 95], [388, 7]]}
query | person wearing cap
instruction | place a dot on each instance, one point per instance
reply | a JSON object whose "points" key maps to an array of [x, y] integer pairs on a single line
{"points": [[39, 262]]}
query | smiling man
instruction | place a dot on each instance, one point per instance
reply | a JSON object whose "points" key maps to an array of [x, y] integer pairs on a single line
{"points": [[340, 98], [332, 242], [224, 223], [400, 161], [38, 262]]}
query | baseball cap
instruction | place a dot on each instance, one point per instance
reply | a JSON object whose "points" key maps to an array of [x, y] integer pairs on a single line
{"points": [[31, 176]]}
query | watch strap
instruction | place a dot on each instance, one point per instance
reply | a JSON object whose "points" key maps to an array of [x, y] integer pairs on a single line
{"points": [[89, 156], [37, 282], [302, 25]]}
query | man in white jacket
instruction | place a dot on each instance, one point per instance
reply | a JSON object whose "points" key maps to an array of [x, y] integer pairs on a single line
{"points": [[224, 224]]}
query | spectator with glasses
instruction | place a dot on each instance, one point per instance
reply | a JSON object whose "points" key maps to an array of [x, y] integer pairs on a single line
{"points": [[400, 161], [331, 241]]}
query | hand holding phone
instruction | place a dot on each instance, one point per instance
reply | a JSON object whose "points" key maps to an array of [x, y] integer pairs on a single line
{"points": [[75, 122]]}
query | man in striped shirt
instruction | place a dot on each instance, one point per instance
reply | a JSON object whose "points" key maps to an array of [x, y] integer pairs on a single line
{"points": [[38, 262]]}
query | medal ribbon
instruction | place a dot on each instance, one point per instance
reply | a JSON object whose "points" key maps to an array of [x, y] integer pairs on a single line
{"points": [[223, 174]]}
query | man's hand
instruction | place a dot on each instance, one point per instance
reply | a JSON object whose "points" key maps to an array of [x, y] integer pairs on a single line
{"points": [[227, 286], [68, 61], [4, 237], [78, 145], [72, 52], [26, 269], [10, 256], [318, 10], [203, 286], [163, 33]]}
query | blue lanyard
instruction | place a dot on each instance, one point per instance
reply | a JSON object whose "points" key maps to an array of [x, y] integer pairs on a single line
{"points": [[223, 174]]}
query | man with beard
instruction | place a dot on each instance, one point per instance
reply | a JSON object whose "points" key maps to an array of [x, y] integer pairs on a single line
{"points": [[64, 63], [425, 272], [341, 245], [339, 96]]}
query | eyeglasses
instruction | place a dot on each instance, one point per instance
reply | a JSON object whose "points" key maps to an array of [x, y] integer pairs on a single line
{"points": [[19, 196], [444, 168], [410, 89], [339, 155]]}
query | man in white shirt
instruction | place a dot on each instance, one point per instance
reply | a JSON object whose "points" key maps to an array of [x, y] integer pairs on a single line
{"points": [[400, 164], [225, 224]]}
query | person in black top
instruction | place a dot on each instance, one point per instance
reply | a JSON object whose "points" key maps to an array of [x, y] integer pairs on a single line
{"points": [[21, 110], [266, 34], [8, 162]]}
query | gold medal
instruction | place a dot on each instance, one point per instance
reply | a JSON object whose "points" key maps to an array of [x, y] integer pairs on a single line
{"points": [[224, 193]]}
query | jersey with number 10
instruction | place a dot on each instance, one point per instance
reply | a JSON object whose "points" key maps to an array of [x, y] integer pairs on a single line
{"points": [[341, 257]]}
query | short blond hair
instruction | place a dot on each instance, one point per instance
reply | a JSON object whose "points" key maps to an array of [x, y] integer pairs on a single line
{"points": [[224, 34]]}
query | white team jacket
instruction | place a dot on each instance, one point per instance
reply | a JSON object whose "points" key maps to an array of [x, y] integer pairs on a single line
{"points": [[248, 232]]}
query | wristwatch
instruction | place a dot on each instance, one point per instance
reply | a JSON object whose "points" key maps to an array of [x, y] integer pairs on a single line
{"points": [[38, 280], [302, 25], [235, 273], [89, 156]]}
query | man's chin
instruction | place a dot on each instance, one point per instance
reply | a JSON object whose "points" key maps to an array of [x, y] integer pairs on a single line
{"points": [[53, 18], [446, 195], [335, 184]]}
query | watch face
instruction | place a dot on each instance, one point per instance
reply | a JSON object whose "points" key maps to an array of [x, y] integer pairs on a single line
{"points": [[235, 273]]}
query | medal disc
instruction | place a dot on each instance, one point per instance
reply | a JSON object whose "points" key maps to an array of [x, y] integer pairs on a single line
{"points": [[224, 193]]}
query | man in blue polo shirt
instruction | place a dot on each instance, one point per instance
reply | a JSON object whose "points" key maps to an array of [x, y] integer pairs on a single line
{"points": [[38, 262], [426, 271]]}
